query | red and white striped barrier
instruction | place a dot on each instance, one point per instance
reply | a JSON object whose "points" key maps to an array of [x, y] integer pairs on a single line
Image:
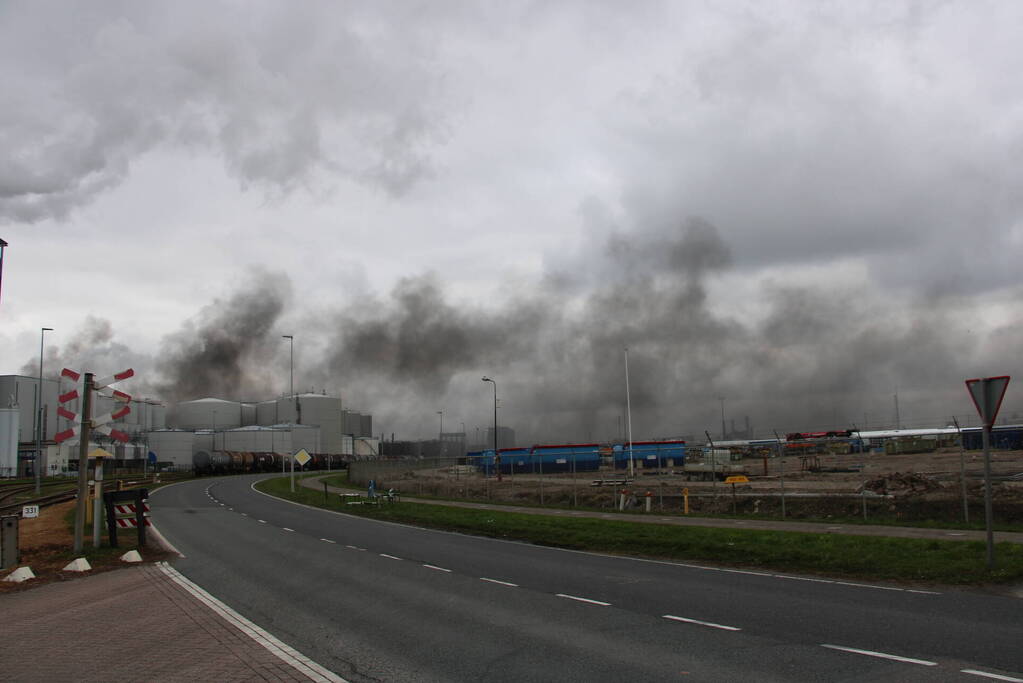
{"points": [[132, 523]]}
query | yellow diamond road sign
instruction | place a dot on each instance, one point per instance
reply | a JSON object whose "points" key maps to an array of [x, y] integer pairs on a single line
{"points": [[302, 457], [100, 453]]}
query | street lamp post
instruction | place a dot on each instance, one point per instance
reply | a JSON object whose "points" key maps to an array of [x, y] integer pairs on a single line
{"points": [[440, 435], [497, 454], [2, 245], [723, 435], [291, 338], [39, 415]]}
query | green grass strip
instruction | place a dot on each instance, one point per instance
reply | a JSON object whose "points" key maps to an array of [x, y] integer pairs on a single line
{"points": [[860, 557]]}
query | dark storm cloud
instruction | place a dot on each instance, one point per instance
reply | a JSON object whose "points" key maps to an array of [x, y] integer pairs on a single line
{"points": [[280, 98]]}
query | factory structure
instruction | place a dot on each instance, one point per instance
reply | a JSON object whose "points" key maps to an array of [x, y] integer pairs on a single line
{"points": [[170, 437]]}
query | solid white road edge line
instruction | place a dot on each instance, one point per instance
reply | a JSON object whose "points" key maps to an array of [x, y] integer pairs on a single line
{"points": [[701, 623], [440, 569], [284, 652], [882, 655], [576, 597], [502, 583], [997, 677]]}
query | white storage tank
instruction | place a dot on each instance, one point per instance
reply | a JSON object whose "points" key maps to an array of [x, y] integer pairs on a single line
{"points": [[208, 413], [248, 414], [266, 413], [9, 418], [172, 445], [203, 441], [255, 439]]}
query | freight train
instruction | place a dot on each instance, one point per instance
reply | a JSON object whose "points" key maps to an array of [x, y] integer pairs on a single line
{"points": [[243, 462]]}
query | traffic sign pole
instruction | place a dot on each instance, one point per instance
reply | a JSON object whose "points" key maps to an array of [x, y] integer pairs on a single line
{"points": [[988, 512], [987, 395]]}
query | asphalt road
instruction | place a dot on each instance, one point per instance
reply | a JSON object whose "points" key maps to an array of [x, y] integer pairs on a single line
{"points": [[379, 601]]}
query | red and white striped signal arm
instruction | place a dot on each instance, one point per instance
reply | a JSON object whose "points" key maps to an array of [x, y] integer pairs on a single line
{"points": [[107, 381], [67, 434], [100, 424], [113, 434]]}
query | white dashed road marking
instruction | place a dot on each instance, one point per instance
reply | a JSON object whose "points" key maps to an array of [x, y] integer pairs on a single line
{"points": [[702, 623], [502, 583], [587, 600], [286, 528], [327, 540], [997, 677], [440, 569], [389, 557], [881, 655]]}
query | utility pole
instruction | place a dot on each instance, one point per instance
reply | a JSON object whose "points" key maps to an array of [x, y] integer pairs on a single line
{"points": [[39, 416], [83, 463], [962, 471], [723, 434]]}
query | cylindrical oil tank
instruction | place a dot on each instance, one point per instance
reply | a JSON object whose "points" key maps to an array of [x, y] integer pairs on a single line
{"points": [[305, 437], [366, 425], [172, 445], [208, 413], [323, 412], [9, 418], [248, 414], [266, 413], [256, 439], [203, 441]]}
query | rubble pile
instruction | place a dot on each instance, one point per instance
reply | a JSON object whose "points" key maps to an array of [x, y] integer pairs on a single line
{"points": [[901, 484]]}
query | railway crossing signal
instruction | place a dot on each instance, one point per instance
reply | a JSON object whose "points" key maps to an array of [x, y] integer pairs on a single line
{"points": [[84, 423], [987, 394]]}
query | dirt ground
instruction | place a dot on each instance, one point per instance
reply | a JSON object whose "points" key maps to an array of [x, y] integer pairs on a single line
{"points": [[913, 486], [46, 544]]}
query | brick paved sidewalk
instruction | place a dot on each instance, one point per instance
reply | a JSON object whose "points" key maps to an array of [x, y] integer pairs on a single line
{"points": [[133, 624]]}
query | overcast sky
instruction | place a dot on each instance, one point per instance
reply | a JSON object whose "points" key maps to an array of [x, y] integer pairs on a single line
{"points": [[799, 207]]}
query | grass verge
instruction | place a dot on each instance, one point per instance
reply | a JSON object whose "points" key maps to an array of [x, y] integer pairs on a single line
{"points": [[861, 557]]}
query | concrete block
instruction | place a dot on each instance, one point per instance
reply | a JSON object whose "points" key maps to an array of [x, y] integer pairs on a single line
{"points": [[79, 565], [20, 574]]}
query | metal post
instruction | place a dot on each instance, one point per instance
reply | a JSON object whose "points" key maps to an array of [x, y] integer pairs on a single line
{"points": [[962, 472], [575, 499], [292, 459], [39, 415], [497, 454], [781, 467], [713, 469], [628, 410], [83, 463], [97, 504], [987, 498]]}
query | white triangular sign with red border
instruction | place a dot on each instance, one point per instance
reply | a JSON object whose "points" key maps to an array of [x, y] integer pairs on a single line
{"points": [[987, 394]]}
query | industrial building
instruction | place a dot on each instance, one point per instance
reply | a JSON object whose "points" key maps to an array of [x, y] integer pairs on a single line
{"points": [[315, 422]]}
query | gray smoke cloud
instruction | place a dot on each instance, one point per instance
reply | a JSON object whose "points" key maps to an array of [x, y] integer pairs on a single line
{"points": [[813, 358], [224, 351]]}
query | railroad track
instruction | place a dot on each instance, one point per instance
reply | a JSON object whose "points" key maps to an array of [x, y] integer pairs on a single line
{"points": [[41, 501]]}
